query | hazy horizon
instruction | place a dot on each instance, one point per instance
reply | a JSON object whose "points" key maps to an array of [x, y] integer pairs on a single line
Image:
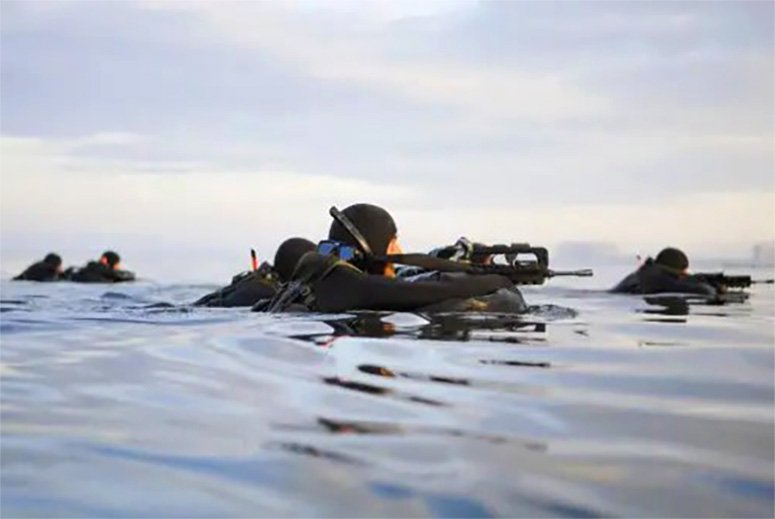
{"points": [[183, 129]]}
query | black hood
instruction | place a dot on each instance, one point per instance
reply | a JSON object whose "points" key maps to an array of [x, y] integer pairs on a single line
{"points": [[672, 258], [53, 259], [374, 223], [111, 257], [288, 255]]}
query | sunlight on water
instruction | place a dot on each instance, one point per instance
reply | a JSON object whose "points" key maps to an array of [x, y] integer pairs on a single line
{"points": [[122, 401]]}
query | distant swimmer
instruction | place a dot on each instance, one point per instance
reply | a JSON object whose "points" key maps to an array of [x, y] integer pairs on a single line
{"points": [[261, 282], [50, 269], [106, 270], [350, 271], [669, 272]]}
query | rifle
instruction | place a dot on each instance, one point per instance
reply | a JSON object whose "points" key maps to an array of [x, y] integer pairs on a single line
{"points": [[519, 272], [721, 281]]}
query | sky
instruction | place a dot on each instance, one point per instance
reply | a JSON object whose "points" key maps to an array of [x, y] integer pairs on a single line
{"points": [[184, 132]]}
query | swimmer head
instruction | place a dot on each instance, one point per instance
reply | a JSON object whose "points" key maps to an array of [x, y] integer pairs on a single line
{"points": [[110, 259], [54, 260], [288, 255], [673, 259], [377, 227]]}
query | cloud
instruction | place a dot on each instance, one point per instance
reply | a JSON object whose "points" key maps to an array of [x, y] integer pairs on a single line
{"points": [[212, 121], [53, 191], [361, 55], [49, 189], [108, 139]]}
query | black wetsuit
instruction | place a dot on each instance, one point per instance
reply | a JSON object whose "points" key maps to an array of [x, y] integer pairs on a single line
{"points": [[504, 300], [335, 286], [40, 271], [652, 278], [246, 289], [96, 272]]}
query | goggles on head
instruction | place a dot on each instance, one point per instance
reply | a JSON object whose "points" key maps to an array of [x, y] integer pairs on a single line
{"points": [[343, 251]]}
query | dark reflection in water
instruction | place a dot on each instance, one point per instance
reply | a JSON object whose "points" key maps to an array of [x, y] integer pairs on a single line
{"points": [[443, 327], [13, 302], [516, 363], [682, 305], [377, 390], [383, 428], [366, 324], [385, 372], [315, 452], [667, 305], [657, 343], [460, 327], [353, 427]]}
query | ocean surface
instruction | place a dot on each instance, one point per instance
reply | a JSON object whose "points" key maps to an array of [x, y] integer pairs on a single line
{"points": [[125, 401]]}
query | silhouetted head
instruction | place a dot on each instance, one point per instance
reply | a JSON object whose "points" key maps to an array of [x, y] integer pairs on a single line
{"points": [[673, 259], [288, 255], [53, 259], [110, 258], [374, 223], [377, 227]]}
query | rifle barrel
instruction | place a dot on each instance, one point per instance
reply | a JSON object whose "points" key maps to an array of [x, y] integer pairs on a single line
{"points": [[584, 273], [731, 281], [532, 271]]}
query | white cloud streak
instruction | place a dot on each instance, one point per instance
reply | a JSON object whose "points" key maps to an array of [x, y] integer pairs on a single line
{"points": [[360, 55], [227, 208]]}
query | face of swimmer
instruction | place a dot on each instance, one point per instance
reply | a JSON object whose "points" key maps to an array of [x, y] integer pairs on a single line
{"points": [[393, 248]]}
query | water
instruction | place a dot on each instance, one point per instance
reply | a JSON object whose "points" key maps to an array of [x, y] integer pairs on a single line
{"points": [[122, 401]]}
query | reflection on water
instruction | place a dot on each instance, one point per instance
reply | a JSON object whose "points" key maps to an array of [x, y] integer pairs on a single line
{"points": [[129, 402], [667, 305], [455, 327], [727, 305]]}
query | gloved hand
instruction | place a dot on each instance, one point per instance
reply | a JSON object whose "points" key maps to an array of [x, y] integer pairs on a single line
{"points": [[460, 251]]}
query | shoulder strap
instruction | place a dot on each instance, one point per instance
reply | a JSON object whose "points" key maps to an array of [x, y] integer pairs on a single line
{"points": [[300, 290]]}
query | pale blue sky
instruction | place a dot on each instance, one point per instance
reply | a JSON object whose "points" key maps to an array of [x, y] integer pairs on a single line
{"points": [[220, 125]]}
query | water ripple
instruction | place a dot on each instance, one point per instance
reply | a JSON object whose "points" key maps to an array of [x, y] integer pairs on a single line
{"points": [[130, 402]]}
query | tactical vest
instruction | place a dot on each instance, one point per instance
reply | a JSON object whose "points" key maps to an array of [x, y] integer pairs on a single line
{"points": [[300, 290], [245, 289]]}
